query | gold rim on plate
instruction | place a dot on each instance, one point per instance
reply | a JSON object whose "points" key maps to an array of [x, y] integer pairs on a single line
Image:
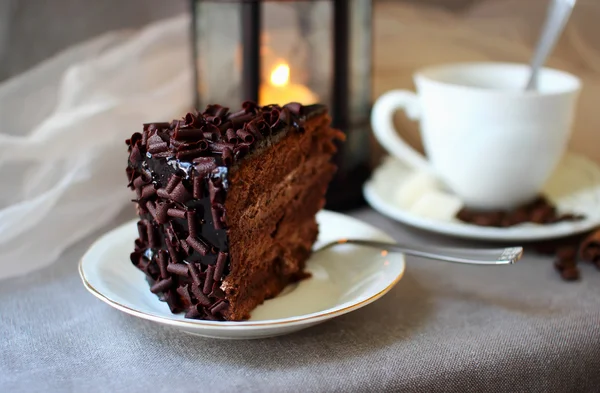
{"points": [[231, 324]]}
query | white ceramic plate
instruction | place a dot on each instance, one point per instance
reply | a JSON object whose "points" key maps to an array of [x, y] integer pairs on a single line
{"points": [[575, 187], [344, 278]]}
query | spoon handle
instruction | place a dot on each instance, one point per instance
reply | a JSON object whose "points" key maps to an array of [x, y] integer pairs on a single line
{"points": [[489, 256], [558, 15]]}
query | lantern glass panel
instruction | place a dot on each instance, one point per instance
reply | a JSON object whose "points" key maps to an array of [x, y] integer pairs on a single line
{"points": [[293, 50]]}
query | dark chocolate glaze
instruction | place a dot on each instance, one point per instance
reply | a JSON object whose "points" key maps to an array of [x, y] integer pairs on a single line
{"points": [[179, 171]]}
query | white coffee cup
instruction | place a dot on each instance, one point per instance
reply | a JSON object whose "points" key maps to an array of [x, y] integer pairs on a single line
{"points": [[489, 141]]}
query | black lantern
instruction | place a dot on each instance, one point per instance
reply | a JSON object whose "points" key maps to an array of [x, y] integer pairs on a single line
{"points": [[275, 52]]}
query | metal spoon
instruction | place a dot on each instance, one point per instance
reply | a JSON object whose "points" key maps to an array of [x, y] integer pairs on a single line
{"points": [[558, 15], [489, 256]]}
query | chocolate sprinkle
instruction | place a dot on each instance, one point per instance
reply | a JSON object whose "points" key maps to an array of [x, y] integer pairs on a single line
{"points": [[194, 273], [193, 313], [245, 136], [208, 280], [161, 286], [177, 213], [202, 298], [180, 194], [197, 245], [148, 191], [197, 187], [227, 156], [220, 266], [162, 216], [174, 180], [177, 268], [162, 264], [179, 171], [232, 136], [191, 219], [219, 306]]}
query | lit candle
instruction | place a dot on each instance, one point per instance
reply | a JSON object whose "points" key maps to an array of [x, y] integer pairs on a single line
{"points": [[280, 91]]}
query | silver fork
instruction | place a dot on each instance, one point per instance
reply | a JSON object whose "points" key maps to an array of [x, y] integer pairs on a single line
{"points": [[484, 256]]}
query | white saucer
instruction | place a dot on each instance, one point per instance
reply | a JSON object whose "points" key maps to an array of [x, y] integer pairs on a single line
{"points": [[575, 188], [344, 279]]}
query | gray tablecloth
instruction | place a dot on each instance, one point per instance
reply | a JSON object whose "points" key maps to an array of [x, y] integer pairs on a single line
{"points": [[443, 328]]}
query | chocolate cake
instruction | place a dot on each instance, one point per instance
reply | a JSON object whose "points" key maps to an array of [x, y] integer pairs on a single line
{"points": [[227, 204]]}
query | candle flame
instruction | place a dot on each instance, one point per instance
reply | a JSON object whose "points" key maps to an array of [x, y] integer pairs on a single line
{"points": [[280, 76]]}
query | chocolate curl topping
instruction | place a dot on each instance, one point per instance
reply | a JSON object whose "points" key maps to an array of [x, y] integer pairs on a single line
{"points": [[175, 124], [161, 261], [172, 252], [285, 116], [217, 292], [208, 280], [214, 120], [236, 114], [274, 120], [161, 192], [211, 136], [218, 147], [131, 176], [217, 214], [134, 140], [180, 194], [202, 299], [220, 266], [136, 155], [185, 294], [215, 192], [239, 121], [187, 134], [193, 313], [185, 247], [219, 307], [245, 136], [171, 300], [190, 120], [148, 191], [263, 128], [253, 129], [187, 155], [295, 108], [192, 226], [178, 268], [162, 217], [175, 143], [177, 213], [151, 208], [194, 273], [162, 285], [139, 182], [197, 245], [156, 125], [241, 150], [152, 238], [158, 148], [227, 156], [205, 165], [197, 187], [232, 136], [144, 141], [250, 106], [154, 139], [174, 180], [142, 231], [216, 110]]}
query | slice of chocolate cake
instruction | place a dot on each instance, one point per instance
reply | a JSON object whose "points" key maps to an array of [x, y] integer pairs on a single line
{"points": [[227, 204]]}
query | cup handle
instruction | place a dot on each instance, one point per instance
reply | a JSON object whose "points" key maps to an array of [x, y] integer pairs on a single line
{"points": [[383, 126]]}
